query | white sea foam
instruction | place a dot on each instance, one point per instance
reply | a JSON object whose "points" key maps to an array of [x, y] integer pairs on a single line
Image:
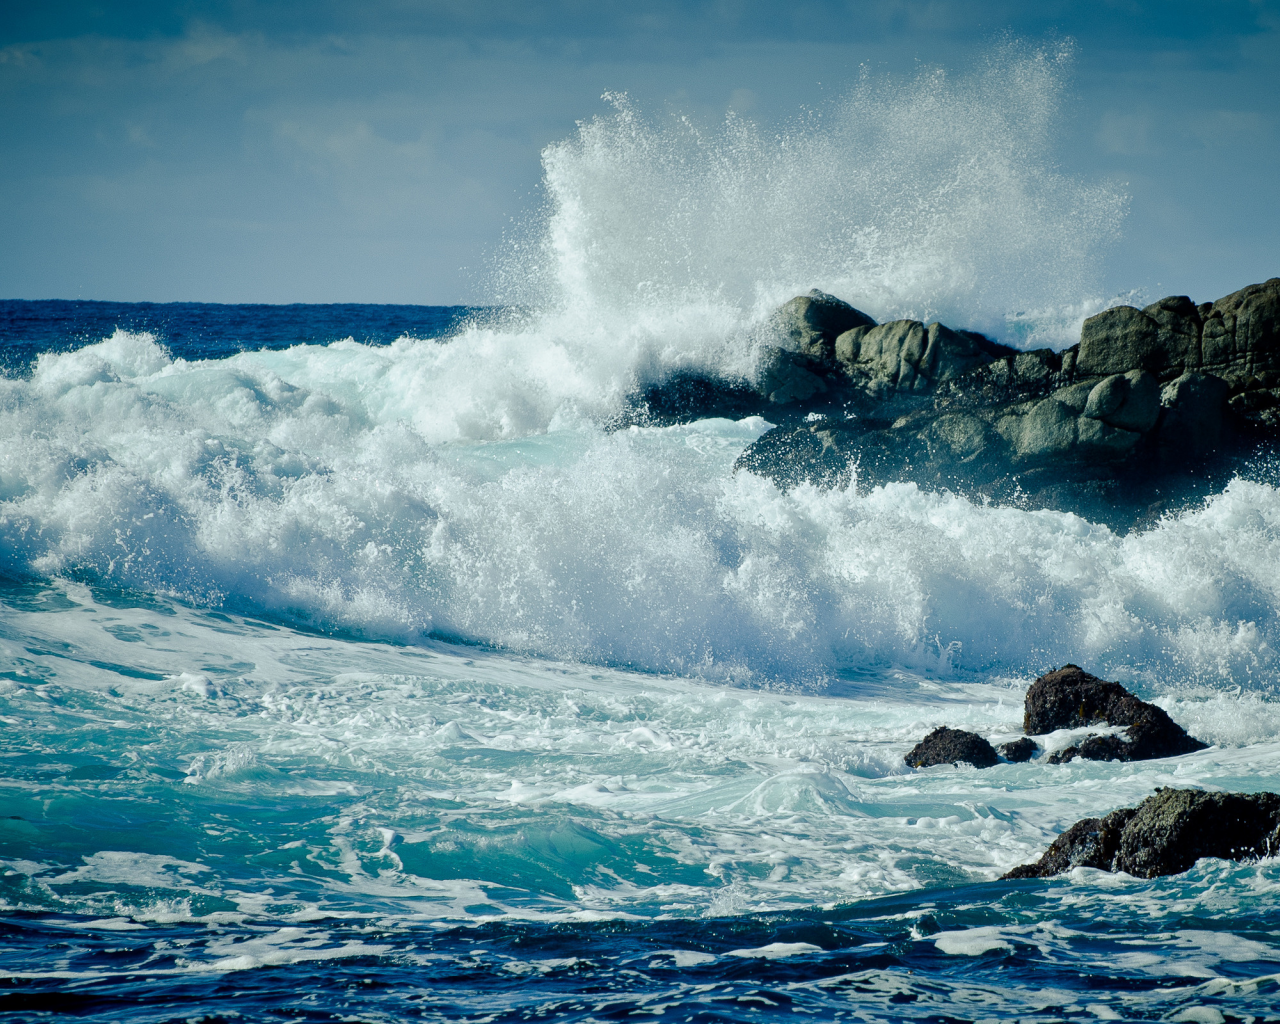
{"points": [[274, 483], [927, 195]]}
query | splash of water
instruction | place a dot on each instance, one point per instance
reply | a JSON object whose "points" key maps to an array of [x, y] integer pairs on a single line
{"points": [[929, 196]]}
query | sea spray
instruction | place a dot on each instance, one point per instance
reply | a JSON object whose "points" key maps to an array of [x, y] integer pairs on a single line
{"points": [[301, 485], [929, 195]]}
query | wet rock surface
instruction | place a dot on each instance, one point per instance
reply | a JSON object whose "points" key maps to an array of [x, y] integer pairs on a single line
{"points": [[1071, 698], [951, 746], [1153, 408], [1019, 750], [1165, 834]]}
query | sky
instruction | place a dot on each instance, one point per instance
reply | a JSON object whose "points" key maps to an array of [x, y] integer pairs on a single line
{"points": [[378, 152]]}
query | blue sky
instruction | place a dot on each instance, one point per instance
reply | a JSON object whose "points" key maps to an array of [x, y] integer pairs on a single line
{"points": [[376, 152]]}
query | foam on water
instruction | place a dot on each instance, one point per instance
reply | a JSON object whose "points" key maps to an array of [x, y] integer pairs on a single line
{"points": [[302, 484]]}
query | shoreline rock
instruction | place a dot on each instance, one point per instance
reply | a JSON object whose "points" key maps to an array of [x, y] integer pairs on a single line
{"points": [[1071, 698], [1152, 408], [1165, 835], [1019, 750]]}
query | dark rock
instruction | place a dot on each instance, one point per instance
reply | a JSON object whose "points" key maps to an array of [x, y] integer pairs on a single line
{"points": [[686, 396], [1194, 405], [948, 746], [1089, 843], [812, 322], [1021, 749], [1153, 410], [1071, 698], [786, 377], [1166, 834], [1162, 339]]}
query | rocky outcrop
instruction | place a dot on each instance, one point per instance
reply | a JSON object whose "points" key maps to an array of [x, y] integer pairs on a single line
{"points": [[1166, 834], [951, 746], [1071, 698], [1153, 408]]}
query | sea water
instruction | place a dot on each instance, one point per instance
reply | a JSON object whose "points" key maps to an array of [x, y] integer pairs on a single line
{"points": [[354, 665]]}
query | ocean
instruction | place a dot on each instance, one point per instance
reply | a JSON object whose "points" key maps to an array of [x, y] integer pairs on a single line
{"points": [[365, 663]]}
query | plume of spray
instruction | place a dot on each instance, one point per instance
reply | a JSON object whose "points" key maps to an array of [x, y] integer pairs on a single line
{"points": [[926, 196]]}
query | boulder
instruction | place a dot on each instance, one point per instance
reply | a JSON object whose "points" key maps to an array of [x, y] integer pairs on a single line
{"points": [[1022, 749], [949, 746], [1194, 405], [1128, 401], [1241, 333], [906, 355], [1162, 339], [785, 377], [1071, 698], [811, 323], [1166, 834]]}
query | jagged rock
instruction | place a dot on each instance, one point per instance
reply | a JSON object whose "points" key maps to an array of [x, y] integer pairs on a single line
{"points": [[1154, 408], [948, 746], [812, 322], [1022, 749], [1071, 698], [1166, 834]]}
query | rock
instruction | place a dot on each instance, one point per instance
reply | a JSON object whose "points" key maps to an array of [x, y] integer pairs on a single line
{"points": [[1129, 401], [1162, 339], [907, 355], [1194, 405], [948, 746], [812, 322], [784, 377], [1089, 843], [1019, 750], [1165, 835], [1154, 409], [1241, 334], [1048, 430], [684, 396], [1071, 698]]}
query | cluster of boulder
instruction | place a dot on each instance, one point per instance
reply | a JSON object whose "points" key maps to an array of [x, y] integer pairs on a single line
{"points": [[1069, 698], [1165, 834], [1147, 408]]}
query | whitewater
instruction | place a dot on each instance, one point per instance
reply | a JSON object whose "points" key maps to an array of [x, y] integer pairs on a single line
{"points": [[374, 673]]}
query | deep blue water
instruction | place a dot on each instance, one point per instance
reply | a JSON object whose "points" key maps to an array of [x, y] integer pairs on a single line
{"points": [[211, 330]]}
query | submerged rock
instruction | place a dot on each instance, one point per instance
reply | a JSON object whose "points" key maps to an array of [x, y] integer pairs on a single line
{"points": [[949, 746], [1165, 834], [1071, 698]]}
